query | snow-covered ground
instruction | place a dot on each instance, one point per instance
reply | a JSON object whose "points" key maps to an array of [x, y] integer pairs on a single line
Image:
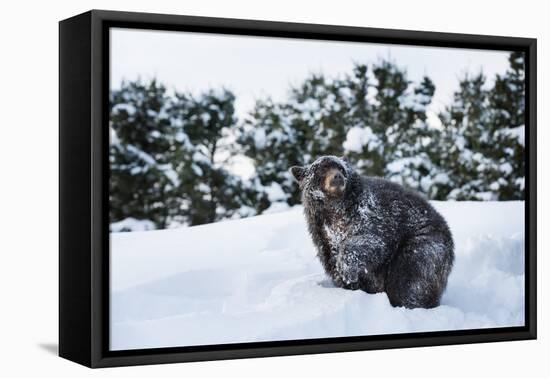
{"points": [[258, 279]]}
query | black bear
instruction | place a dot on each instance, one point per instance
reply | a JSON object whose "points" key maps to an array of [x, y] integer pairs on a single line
{"points": [[375, 235]]}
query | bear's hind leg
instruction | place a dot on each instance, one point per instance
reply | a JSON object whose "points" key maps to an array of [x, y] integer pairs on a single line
{"points": [[417, 274]]}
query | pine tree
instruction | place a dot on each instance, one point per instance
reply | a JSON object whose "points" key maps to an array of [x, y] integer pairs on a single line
{"points": [[312, 122], [348, 115], [269, 138], [390, 136], [212, 193], [507, 112], [142, 181], [364, 140], [465, 139], [169, 153], [163, 157], [483, 137], [413, 145]]}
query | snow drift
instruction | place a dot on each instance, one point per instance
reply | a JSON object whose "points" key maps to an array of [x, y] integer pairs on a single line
{"points": [[258, 279]]}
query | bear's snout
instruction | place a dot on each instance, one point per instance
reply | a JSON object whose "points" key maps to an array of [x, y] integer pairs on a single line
{"points": [[335, 182]]}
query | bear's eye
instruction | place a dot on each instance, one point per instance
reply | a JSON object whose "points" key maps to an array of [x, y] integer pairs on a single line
{"points": [[336, 168]]}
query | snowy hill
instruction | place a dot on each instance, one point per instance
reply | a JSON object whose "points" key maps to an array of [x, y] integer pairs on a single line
{"points": [[258, 279]]}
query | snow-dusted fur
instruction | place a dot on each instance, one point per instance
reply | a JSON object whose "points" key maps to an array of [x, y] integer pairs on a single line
{"points": [[374, 235]]}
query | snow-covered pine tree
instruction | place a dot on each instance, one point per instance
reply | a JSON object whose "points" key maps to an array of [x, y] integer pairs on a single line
{"points": [[399, 117], [413, 145], [507, 115], [211, 192], [142, 181], [390, 135], [276, 136], [272, 143], [466, 141], [347, 115], [364, 141], [484, 137], [163, 156]]}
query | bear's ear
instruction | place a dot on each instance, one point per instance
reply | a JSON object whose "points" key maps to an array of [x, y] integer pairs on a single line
{"points": [[298, 173]]}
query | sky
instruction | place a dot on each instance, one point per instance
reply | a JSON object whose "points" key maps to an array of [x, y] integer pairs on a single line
{"points": [[254, 67]]}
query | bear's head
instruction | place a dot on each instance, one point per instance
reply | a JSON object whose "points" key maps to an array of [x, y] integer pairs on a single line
{"points": [[325, 178]]}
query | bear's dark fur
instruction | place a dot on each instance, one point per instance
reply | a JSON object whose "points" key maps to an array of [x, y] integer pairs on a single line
{"points": [[375, 235]]}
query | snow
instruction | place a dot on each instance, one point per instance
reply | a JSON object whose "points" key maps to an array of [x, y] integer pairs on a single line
{"points": [[275, 192], [506, 168], [128, 108], [260, 138], [416, 102], [201, 158], [442, 178], [142, 155], [517, 133], [276, 207], [358, 137], [399, 165], [114, 139], [202, 187], [132, 224], [485, 196], [520, 182], [196, 169], [170, 173], [205, 117], [258, 279]]}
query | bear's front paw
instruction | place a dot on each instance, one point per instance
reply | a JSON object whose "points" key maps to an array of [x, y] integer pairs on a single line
{"points": [[348, 268]]}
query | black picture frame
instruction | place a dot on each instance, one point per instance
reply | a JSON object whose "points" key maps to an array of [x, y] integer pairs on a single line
{"points": [[83, 193]]}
